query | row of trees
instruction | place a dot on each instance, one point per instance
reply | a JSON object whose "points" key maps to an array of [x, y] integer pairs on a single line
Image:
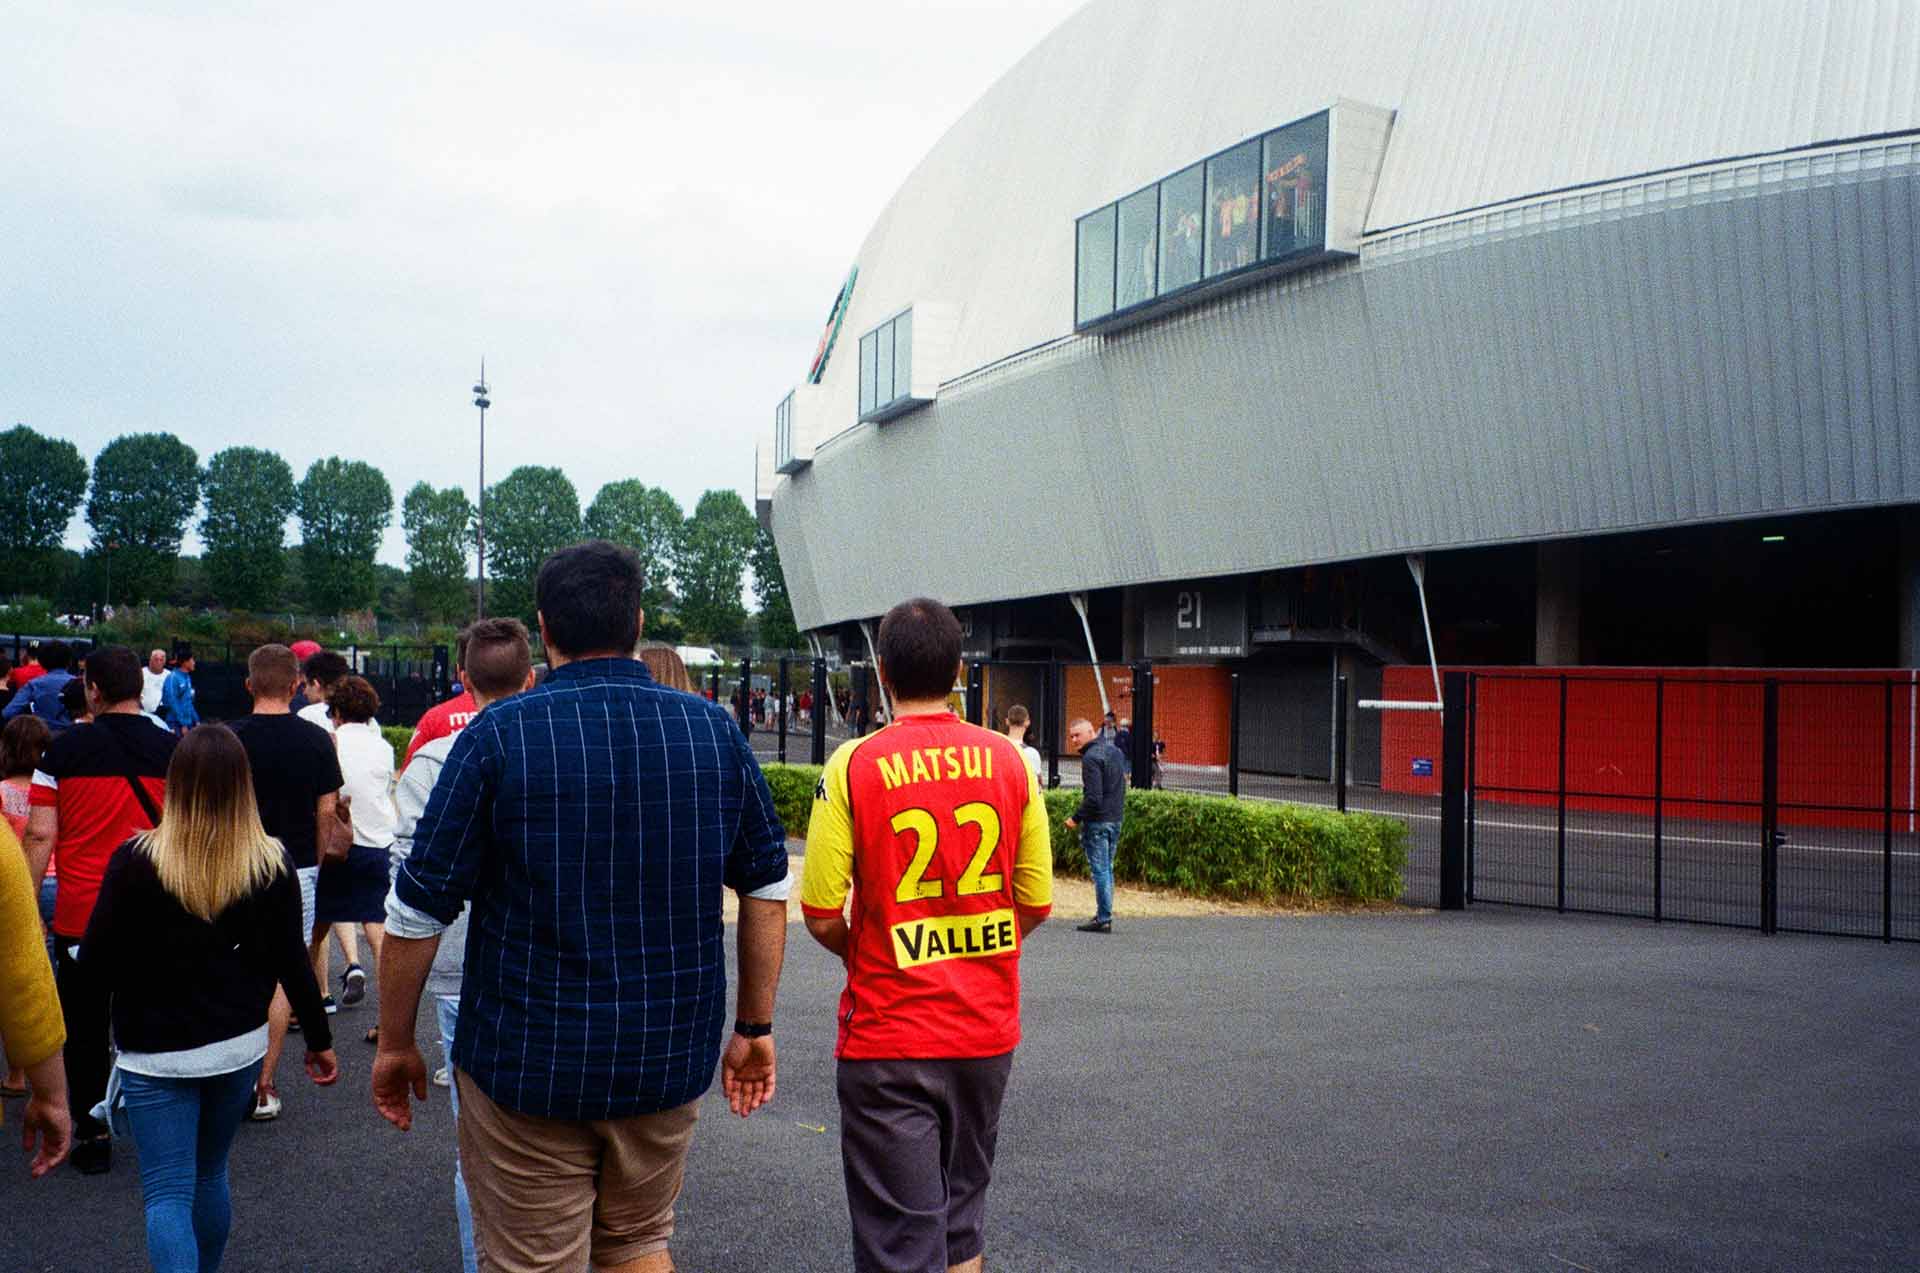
{"points": [[145, 488]]}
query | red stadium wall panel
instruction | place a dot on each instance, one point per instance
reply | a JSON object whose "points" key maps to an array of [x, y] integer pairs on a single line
{"points": [[1191, 706], [1833, 740]]}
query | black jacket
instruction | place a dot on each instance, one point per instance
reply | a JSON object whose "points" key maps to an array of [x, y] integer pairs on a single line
{"points": [[179, 982], [1103, 783]]}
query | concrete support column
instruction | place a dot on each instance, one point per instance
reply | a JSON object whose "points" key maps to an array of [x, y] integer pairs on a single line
{"points": [[1907, 588], [1556, 613]]}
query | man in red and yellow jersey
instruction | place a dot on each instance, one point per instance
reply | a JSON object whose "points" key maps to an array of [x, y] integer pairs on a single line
{"points": [[937, 829]]}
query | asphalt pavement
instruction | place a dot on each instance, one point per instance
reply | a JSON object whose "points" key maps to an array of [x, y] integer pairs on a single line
{"points": [[1499, 1090]]}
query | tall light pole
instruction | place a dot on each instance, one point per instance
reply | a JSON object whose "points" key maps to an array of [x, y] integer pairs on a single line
{"points": [[481, 400]]}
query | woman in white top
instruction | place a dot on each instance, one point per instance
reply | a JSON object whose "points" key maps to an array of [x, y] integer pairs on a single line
{"points": [[355, 891], [1017, 722]]}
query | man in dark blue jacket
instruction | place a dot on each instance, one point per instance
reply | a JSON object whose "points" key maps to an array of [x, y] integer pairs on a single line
{"points": [[41, 696], [1103, 803]]}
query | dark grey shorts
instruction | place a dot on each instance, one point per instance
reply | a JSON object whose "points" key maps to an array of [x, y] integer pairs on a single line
{"points": [[916, 1142]]}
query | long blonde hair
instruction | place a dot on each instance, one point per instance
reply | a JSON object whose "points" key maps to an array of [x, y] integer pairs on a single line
{"points": [[210, 849], [666, 665]]}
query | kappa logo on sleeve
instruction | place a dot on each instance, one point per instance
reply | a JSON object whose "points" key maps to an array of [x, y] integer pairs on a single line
{"points": [[820, 789]]}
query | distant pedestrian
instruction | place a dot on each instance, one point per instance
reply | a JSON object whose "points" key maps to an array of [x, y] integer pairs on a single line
{"points": [[40, 694], [30, 1020], [355, 891], [153, 682], [296, 783], [323, 671], [176, 699], [18, 677], [937, 831], [192, 934], [96, 785], [499, 665], [1018, 721], [591, 823], [1103, 804]]}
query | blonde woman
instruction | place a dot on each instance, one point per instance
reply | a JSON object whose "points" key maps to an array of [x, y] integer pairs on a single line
{"points": [[666, 665], [196, 923]]}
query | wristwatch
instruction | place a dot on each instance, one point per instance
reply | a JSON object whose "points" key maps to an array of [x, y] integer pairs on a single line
{"points": [[752, 1029]]}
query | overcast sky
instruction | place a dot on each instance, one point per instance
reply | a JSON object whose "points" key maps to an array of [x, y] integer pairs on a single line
{"points": [[300, 227]]}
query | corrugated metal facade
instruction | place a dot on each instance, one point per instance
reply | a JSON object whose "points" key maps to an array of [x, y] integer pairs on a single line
{"points": [[1733, 340]]}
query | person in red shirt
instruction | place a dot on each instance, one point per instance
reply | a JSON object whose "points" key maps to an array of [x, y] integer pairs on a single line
{"points": [[26, 671], [937, 830], [449, 717], [97, 785]]}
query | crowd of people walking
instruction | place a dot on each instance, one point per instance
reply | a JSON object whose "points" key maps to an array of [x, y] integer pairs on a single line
{"points": [[547, 867]]}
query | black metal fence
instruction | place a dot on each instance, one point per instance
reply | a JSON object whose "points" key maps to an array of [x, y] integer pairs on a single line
{"points": [[408, 678]]}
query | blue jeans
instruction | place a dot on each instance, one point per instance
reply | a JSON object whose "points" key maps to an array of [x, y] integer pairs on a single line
{"points": [[447, 1010], [49, 891], [184, 1128], [1099, 839]]}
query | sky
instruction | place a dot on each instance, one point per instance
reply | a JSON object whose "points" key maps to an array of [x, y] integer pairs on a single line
{"points": [[303, 227]]}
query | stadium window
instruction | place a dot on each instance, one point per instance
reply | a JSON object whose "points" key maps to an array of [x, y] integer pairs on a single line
{"points": [[903, 355], [1138, 245], [1181, 197], [1295, 167], [883, 368], [869, 353], [1093, 266], [886, 369], [1233, 209]]}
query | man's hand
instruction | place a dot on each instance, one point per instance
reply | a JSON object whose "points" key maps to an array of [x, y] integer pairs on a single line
{"points": [[1071, 825], [45, 1119], [396, 1071], [746, 1073], [323, 1068]]}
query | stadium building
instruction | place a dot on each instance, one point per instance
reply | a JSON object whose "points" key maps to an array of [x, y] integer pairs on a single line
{"points": [[1209, 315]]}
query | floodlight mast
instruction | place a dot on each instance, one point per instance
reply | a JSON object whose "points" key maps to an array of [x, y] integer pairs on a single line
{"points": [[481, 400]]}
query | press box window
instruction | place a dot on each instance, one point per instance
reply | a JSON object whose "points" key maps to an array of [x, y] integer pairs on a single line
{"points": [[886, 369]]}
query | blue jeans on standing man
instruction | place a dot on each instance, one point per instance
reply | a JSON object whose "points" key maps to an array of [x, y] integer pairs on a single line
{"points": [[447, 1011], [1099, 839], [184, 1128]]}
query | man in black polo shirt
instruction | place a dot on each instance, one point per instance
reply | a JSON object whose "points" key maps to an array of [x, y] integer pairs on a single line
{"points": [[296, 781]]}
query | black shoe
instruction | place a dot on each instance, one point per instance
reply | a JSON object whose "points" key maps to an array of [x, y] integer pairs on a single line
{"points": [[1096, 926], [93, 1156]]}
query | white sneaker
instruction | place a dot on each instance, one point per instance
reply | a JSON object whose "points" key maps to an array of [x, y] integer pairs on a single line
{"points": [[441, 1078], [266, 1106]]}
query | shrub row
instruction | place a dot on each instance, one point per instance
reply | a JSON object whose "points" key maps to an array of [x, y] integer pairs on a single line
{"points": [[397, 736], [1214, 846]]}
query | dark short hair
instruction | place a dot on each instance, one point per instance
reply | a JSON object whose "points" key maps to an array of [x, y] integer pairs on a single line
{"points": [[181, 654], [353, 700], [115, 672], [55, 655], [271, 671], [325, 667], [73, 697], [589, 598], [21, 744], [919, 648], [498, 657]]}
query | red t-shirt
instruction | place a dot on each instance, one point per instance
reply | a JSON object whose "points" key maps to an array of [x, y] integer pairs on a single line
{"points": [[440, 720], [83, 776], [937, 829], [22, 674]]}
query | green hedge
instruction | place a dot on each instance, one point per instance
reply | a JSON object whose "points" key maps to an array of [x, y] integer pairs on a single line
{"points": [[397, 736], [1214, 846]]}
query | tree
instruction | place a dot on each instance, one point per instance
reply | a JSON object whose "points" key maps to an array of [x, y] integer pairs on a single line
{"points": [[775, 620], [249, 494], [344, 507], [145, 487], [44, 480], [649, 521], [531, 513], [439, 526], [712, 558]]}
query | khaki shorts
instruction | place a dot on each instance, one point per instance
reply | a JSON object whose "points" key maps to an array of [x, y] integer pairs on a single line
{"points": [[549, 1193]]}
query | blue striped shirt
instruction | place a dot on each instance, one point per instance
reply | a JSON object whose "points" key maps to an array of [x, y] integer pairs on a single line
{"points": [[592, 822]]}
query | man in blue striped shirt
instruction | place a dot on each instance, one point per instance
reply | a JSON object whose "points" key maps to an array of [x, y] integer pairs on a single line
{"points": [[592, 823]]}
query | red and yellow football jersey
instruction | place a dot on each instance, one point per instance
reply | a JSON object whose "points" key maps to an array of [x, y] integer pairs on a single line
{"points": [[938, 830]]}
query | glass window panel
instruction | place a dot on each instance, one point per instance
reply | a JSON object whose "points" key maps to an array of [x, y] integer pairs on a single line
{"points": [[883, 375], [903, 355], [1095, 266], [1296, 188], [1233, 209], [868, 352], [1138, 247], [1180, 229]]}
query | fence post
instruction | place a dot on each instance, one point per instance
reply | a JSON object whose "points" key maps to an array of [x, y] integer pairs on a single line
{"points": [[1659, 796], [1453, 794], [1142, 726], [1770, 808], [822, 704], [1233, 735], [1051, 713], [975, 707], [786, 668], [1560, 821], [1886, 833], [1473, 761], [1340, 743], [743, 710]]}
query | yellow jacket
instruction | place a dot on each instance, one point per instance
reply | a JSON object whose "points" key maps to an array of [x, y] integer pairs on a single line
{"points": [[30, 1021]]}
